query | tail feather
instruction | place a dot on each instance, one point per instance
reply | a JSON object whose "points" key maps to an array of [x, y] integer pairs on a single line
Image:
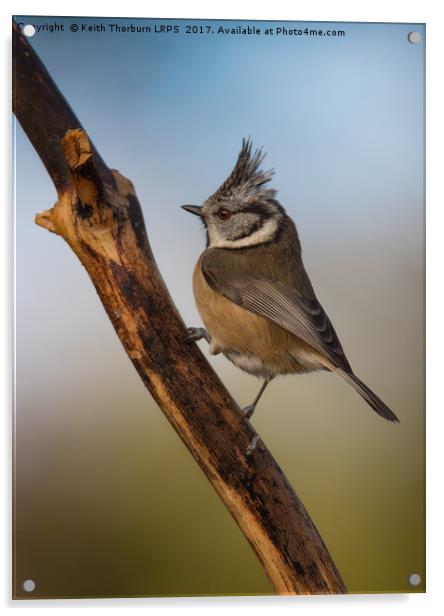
{"points": [[371, 398]]}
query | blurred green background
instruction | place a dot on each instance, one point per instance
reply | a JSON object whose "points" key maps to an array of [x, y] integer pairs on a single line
{"points": [[108, 502]]}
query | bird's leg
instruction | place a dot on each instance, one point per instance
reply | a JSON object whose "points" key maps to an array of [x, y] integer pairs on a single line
{"points": [[249, 410], [197, 333]]}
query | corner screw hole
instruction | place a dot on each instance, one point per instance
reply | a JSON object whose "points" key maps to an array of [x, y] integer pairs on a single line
{"points": [[28, 585], [29, 30], [415, 579], [414, 37]]}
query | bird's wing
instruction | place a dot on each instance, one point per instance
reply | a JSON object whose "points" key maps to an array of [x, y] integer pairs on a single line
{"points": [[302, 316]]}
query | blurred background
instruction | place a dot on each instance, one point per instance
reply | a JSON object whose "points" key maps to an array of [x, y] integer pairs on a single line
{"points": [[108, 502]]}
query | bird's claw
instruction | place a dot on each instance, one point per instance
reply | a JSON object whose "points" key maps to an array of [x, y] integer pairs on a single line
{"points": [[248, 411], [252, 446], [196, 333]]}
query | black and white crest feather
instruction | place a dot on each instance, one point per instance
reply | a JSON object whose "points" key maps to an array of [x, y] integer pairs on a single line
{"points": [[247, 180]]}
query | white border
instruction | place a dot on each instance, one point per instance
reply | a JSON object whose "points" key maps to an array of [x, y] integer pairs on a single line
{"points": [[428, 11]]}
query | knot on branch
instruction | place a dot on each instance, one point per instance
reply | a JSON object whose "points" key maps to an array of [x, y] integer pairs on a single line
{"points": [[90, 202], [96, 207], [92, 205], [76, 148]]}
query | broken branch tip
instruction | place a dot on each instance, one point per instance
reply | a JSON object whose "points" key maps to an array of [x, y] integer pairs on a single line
{"points": [[44, 219]]}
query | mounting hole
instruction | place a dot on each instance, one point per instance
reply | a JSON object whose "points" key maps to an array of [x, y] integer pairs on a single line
{"points": [[415, 579], [28, 585], [414, 37], [28, 30]]}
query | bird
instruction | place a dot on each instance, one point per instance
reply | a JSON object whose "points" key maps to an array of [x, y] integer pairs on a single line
{"points": [[252, 290]]}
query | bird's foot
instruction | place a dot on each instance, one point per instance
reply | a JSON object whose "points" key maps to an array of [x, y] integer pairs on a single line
{"points": [[197, 333], [248, 411]]}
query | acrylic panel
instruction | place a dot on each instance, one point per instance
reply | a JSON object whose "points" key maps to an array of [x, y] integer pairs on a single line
{"points": [[108, 500]]}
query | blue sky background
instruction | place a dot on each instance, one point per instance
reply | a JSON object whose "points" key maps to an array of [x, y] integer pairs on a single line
{"points": [[342, 121]]}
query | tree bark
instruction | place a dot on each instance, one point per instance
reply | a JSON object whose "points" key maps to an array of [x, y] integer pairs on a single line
{"points": [[99, 216]]}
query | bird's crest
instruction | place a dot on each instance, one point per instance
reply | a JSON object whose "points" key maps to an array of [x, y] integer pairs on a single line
{"points": [[247, 180]]}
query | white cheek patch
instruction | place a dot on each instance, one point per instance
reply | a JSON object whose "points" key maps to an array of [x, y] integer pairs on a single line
{"points": [[266, 233], [213, 235]]}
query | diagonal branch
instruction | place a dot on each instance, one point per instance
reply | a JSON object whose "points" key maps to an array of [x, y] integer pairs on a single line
{"points": [[99, 215]]}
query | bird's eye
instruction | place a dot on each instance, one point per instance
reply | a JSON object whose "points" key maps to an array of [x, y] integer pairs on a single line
{"points": [[223, 213]]}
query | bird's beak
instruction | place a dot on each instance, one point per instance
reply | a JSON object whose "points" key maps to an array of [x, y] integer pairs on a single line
{"points": [[193, 209]]}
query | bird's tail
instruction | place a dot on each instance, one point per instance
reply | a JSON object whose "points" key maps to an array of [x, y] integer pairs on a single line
{"points": [[371, 398]]}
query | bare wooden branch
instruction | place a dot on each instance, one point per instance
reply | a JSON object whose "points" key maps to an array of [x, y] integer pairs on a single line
{"points": [[99, 215]]}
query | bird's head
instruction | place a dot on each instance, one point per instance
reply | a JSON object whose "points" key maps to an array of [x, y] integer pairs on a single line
{"points": [[243, 211]]}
